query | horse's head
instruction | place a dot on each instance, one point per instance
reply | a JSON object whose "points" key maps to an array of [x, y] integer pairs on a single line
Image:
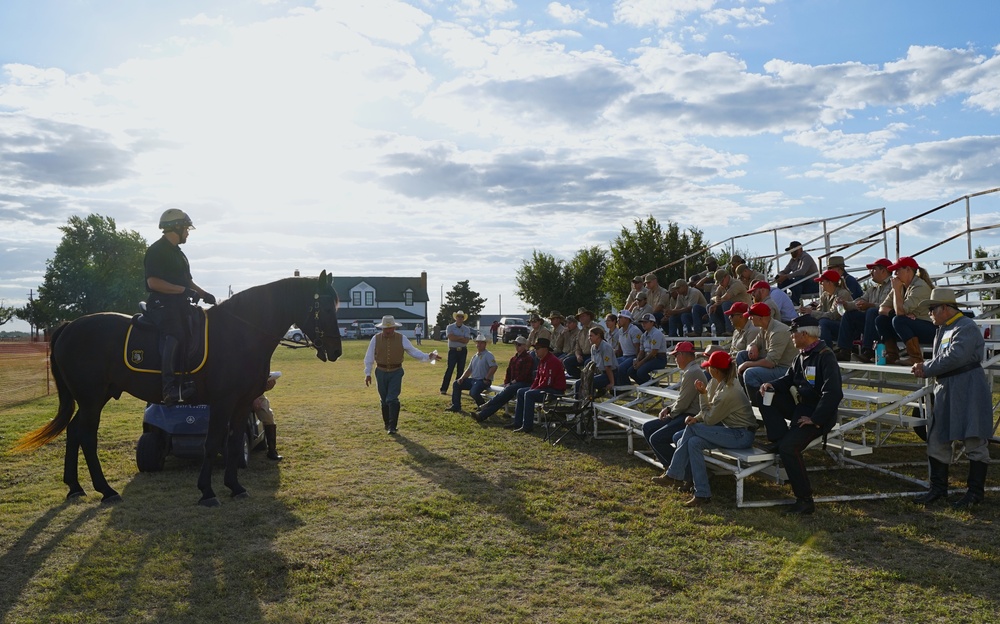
{"points": [[321, 324]]}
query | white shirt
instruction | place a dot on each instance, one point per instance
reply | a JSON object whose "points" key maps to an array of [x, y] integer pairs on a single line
{"points": [[409, 348]]}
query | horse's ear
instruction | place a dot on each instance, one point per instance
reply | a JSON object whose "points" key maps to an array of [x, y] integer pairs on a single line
{"points": [[322, 276]]}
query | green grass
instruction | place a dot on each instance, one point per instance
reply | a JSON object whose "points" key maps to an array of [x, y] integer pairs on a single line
{"points": [[455, 522]]}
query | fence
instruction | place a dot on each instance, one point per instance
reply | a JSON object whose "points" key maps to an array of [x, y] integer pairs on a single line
{"points": [[24, 372]]}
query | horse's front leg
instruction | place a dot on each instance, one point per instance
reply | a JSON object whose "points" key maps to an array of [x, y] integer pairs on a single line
{"points": [[234, 452], [217, 426]]}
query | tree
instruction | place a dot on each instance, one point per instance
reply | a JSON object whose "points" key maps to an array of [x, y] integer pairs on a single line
{"points": [[463, 298], [650, 247], [547, 283], [6, 313], [585, 273], [96, 268]]}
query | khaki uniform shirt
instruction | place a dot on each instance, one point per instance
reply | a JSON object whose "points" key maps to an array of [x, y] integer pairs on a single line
{"points": [[775, 344]]}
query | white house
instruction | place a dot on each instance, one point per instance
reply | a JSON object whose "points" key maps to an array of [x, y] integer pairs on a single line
{"points": [[368, 299]]}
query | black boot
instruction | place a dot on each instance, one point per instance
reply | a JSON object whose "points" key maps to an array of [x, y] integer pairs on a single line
{"points": [[271, 437], [171, 393], [393, 416], [939, 483], [977, 486], [386, 418]]}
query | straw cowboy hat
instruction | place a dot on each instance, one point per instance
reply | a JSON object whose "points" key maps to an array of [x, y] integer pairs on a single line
{"points": [[941, 296], [388, 321], [458, 314]]}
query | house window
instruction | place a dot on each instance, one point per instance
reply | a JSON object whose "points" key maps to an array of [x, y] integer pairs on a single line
{"points": [[356, 298], [408, 298], [369, 298]]}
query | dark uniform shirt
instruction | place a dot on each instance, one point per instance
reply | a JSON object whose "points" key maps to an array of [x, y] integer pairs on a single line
{"points": [[816, 375], [167, 262]]}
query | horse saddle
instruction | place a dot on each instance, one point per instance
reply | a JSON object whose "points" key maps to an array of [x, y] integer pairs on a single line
{"points": [[142, 344]]}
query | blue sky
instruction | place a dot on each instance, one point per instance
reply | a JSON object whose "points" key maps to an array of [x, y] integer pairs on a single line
{"points": [[456, 137]]}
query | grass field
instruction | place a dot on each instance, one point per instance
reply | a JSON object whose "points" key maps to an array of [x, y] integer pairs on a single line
{"points": [[451, 521]]}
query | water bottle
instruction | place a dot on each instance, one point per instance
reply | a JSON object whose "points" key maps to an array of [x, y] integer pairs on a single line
{"points": [[880, 354], [435, 352]]}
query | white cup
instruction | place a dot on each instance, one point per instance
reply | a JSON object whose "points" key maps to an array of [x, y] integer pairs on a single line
{"points": [[768, 397]]}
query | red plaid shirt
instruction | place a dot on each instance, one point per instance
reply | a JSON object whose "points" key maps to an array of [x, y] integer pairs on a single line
{"points": [[519, 368]]}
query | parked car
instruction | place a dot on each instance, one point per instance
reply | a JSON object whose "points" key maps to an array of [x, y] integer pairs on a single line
{"points": [[366, 330], [180, 430], [511, 327], [296, 335]]}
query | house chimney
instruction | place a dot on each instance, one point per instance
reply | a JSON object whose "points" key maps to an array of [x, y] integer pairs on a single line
{"points": [[423, 280]]}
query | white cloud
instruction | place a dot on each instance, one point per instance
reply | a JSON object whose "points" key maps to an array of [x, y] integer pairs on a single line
{"points": [[743, 17], [657, 13], [203, 20]]}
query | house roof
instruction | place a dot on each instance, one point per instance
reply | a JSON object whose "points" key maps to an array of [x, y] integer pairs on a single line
{"points": [[350, 315], [388, 288]]}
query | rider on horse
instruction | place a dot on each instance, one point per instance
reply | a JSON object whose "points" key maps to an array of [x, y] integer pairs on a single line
{"points": [[168, 280]]}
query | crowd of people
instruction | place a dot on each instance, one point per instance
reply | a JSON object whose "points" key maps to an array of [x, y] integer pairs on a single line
{"points": [[782, 357]]}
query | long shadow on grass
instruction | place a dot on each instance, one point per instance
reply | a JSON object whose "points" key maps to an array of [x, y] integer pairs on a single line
{"points": [[501, 498], [28, 554], [163, 558]]}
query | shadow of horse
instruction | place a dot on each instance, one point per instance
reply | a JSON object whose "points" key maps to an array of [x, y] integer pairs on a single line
{"points": [[193, 559], [501, 498]]}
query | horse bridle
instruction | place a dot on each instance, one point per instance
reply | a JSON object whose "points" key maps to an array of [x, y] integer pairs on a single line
{"points": [[317, 329]]}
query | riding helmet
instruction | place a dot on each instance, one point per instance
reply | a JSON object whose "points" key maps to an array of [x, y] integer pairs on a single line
{"points": [[175, 218]]}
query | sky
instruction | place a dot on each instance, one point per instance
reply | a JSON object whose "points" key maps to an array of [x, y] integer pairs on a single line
{"points": [[457, 137]]}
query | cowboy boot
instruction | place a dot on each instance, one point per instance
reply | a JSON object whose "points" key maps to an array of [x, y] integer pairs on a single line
{"points": [[939, 483], [385, 415], [171, 393], [891, 351], [393, 416], [913, 352], [271, 437], [977, 486]]}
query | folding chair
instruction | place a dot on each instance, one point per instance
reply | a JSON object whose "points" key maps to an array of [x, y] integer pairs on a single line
{"points": [[564, 415]]}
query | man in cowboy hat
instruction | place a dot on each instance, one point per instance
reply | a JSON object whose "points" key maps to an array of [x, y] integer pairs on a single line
{"points": [[558, 331], [538, 329], [800, 267], [171, 291], [637, 287], [837, 264], [385, 353], [459, 334], [519, 375], [691, 306], [657, 296], [478, 377], [815, 375], [550, 378], [963, 407]]}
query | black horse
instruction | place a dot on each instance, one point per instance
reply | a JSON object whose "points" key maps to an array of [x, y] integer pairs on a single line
{"points": [[89, 369]]}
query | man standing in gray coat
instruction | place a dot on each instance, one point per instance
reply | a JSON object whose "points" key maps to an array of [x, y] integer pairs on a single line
{"points": [[963, 409]]}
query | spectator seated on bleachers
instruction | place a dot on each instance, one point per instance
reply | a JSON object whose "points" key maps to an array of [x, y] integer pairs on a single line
{"points": [[799, 267], [652, 352], [833, 298], [580, 353], [902, 317], [815, 375], [769, 355], [837, 264], [603, 357], [725, 420], [637, 287], [629, 341], [748, 276], [691, 307], [728, 290], [659, 433], [558, 329], [859, 322]]}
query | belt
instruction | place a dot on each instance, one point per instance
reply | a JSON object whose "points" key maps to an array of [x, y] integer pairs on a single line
{"points": [[960, 369], [456, 348], [389, 368]]}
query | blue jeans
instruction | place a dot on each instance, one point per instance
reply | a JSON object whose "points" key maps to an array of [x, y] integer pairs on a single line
{"points": [[524, 413], [602, 381], [689, 459], [501, 398], [389, 384], [675, 325], [456, 363], [625, 362], [719, 318], [857, 324], [659, 435], [828, 330], [475, 388], [805, 288], [641, 374], [572, 366], [692, 319], [756, 376]]}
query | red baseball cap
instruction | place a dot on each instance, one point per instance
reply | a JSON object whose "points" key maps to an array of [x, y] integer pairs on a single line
{"points": [[682, 347], [760, 284], [882, 262], [905, 261], [829, 275], [738, 307], [718, 359], [760, 309]]}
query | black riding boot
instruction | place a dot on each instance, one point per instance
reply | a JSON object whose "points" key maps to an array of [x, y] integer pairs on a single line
{"points": [[386, 418], [393, 416], [977, 486], [271, 437], [171, 392], [939, 483]]}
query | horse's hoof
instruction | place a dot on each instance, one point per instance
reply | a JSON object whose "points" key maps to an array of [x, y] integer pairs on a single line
{"points": [[111, 498], [75, 493], [241, 495], [210, 502]]}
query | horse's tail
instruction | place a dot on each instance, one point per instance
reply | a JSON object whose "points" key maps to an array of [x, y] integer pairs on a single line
{"points": [[54, 427]]}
